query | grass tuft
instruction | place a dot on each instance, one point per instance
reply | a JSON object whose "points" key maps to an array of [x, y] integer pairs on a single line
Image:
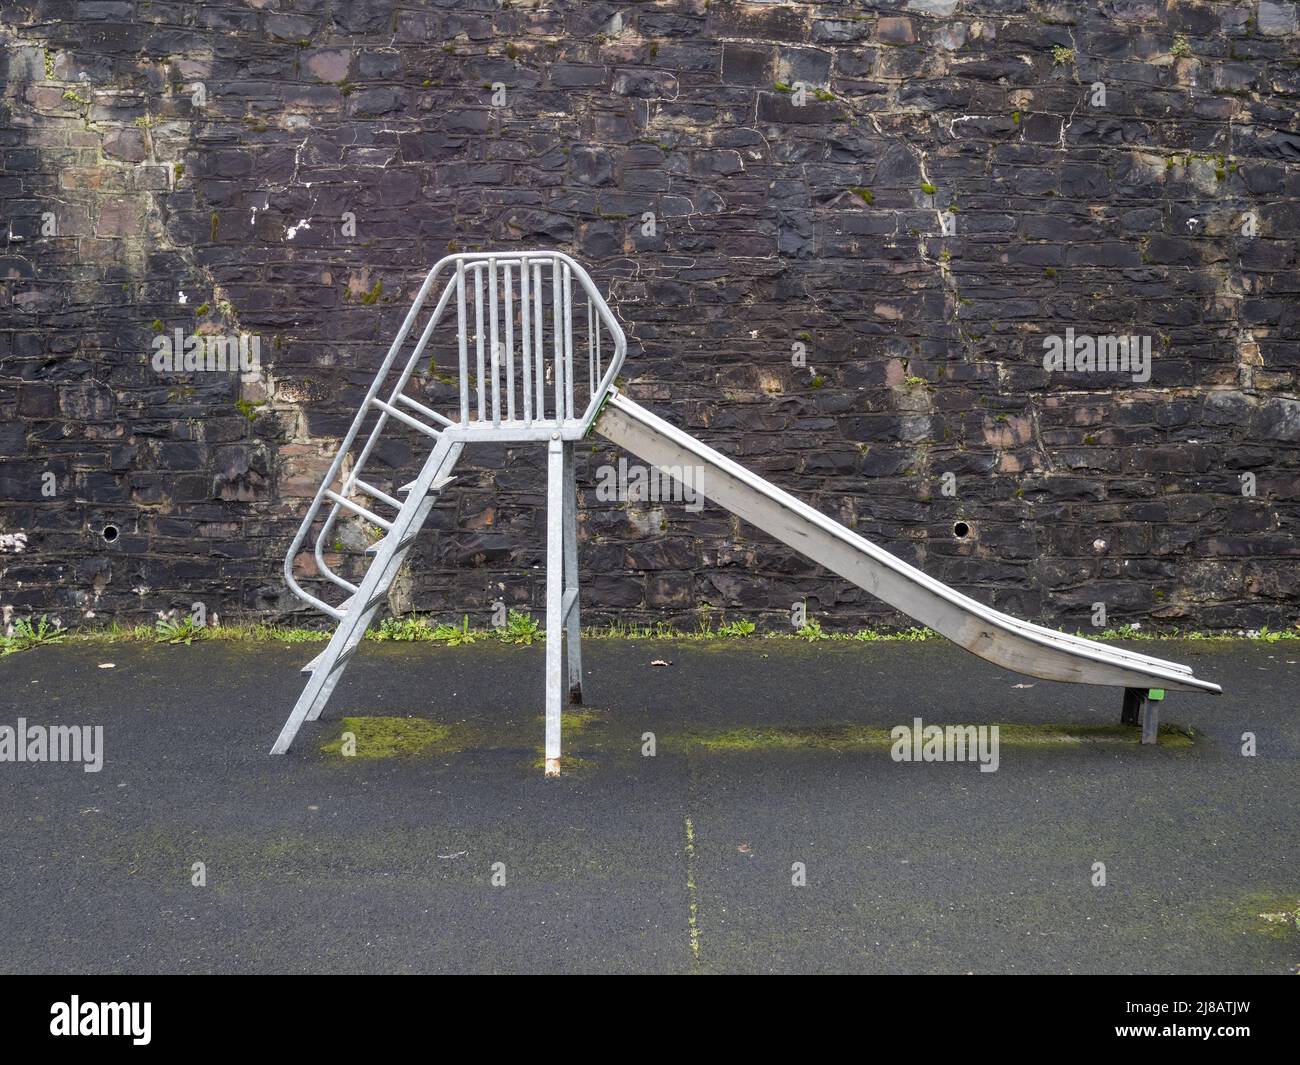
{"points": [[520, 628], [178, 630], [30, 632], [523, 630]]}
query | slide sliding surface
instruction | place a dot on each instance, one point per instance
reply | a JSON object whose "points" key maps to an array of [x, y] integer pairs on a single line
{"points": [[1014, 644]]}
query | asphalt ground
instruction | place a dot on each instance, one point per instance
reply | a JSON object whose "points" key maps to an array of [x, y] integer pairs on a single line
{"points": [[680, 862]]}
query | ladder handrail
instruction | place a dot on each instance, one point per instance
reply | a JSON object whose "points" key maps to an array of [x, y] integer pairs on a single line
{"points": [[564, 376]]}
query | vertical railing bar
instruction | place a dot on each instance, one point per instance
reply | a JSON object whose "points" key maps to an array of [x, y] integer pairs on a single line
{"points": [[557, 339], [510, 344], [568, 342], [600, 374], [591, 348], [525, 325], [539, 356], [495, 342], [478, 341], [464, 348]]}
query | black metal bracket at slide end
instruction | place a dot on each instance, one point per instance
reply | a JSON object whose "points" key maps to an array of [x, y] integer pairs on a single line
{"points": [[1142, 707]]}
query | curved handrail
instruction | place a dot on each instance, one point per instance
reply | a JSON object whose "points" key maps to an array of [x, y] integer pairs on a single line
{"points": [[346, 446]]}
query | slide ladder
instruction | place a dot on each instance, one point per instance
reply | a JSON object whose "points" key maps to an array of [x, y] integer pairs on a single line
{"points": [[515, 337], [522, 325]]}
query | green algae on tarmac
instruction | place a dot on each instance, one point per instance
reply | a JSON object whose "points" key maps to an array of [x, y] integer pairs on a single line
{"points": [[391, 737], [1276, 915], [576, 722], [861, 737], [573, 724], [381, 736]]}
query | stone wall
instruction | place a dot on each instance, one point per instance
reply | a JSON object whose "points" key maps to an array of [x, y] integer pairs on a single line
{"points": [[916, 194]]}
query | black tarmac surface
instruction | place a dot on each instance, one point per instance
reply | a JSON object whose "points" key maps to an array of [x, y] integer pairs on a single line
{"points": [[675, 863]]}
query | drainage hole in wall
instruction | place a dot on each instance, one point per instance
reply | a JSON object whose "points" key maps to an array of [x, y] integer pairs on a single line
{"points": [[109, 534], [961, 530]]}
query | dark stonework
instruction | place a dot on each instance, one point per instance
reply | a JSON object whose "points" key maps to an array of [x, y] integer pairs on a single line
{"points": [[946, 197]]}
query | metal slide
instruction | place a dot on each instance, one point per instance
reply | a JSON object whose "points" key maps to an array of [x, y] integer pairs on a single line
{"points": [[537, 350], [1017, 645]]}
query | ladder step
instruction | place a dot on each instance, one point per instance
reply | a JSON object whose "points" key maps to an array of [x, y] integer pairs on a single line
{"points": [[357, 508], [379, 597], [402, 544], [402, 416], [316, 662], [383, 497], [434, 488], [432, 415]]}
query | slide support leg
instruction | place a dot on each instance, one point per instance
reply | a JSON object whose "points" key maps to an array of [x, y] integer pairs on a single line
{"points": [[1151, 715], [573, 617], [554, 600], [1142, 707]]}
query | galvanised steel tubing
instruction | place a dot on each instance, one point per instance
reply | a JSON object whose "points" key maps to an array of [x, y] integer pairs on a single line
{"points": [[478, 343], [568, 344], [534, 412], [496, 343], [510, 342], [322, 537], [339, 457], [526, 338], [463, 335], [557, 347], [539, 355], [560, 264]]}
